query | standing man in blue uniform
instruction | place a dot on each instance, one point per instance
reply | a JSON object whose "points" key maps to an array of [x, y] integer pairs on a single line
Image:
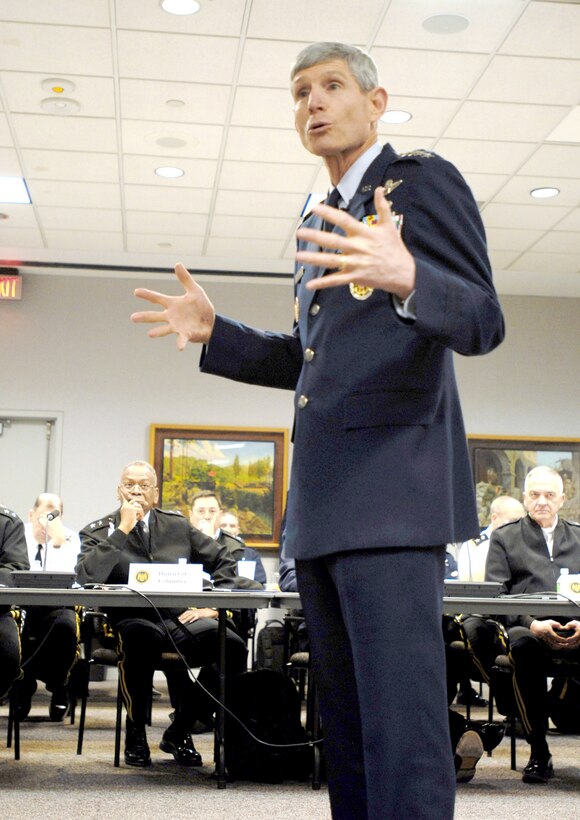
{"points": [[378, 426]]}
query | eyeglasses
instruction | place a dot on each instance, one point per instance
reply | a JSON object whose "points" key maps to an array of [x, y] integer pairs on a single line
{"points": [[145, 486]]}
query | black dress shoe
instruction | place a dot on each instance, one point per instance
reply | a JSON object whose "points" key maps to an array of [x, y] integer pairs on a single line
{"points": [[180, 745], [24, 690], [468, 753], [136, 747], [539, 769], [59, 704], [491, 734], [471, 697]]}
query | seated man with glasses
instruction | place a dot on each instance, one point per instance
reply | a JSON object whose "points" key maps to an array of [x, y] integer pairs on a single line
{"points": [[139, 532]]}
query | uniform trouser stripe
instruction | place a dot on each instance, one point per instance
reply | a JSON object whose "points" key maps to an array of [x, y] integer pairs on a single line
{"points": [[121, 667], [520, 702]]}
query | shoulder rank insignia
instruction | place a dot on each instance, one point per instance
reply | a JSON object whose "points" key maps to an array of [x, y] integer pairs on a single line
{"points": [[419, 152]]}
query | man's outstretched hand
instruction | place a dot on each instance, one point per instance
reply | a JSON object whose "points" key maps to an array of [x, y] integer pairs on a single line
{"points": [[190, 316]]}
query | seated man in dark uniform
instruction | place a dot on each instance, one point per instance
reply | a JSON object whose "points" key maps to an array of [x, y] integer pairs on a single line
{"points": [[527, 556], [13, 555], [138, 532]]}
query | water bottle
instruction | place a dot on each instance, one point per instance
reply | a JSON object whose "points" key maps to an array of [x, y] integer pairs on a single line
{"points": [[562, 579]]}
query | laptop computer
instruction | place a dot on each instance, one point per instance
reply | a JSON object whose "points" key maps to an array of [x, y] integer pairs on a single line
{"points": [[39, 579], [473, 589]]}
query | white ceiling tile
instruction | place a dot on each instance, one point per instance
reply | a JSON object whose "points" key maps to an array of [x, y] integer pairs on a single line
{"points": [[19, 216], [258, 203], [251, 227], [225, 18], [24, 92], [547, 263], [160, 243], [245, 248], [488, 22], [69, 220], [560, 242], [488, 157], [510, 239], [530, 80], [70, 165], [429, 116], [48, 131], [325, 20], [156, 56], [153, 198], [167, 224], [534, 216], [56, 50], [84, 240], [75, 194], [570, 222], [568, 129], [5, 135], [138, 169], [501, 260], [267, 63], [200, 140], [484, 186], [20, 238], [69, 12], [518, 189], [266, 176], [9, 164], [148, 100], [546, 30], [504, 121], [267, 145], [427, 73], [267, 107]]}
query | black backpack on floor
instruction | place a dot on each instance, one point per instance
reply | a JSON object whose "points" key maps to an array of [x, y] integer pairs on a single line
{"points": [[267, 703]]}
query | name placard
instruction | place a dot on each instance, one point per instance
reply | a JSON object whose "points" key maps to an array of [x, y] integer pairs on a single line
{"points": [[570, 586], [166, 577]]}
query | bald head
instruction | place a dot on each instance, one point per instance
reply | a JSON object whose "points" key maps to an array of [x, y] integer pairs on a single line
{"points": [[505, 509]]}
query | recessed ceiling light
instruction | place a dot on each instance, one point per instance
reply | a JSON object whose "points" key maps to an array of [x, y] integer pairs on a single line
{"points": [[171, 142], [168, 172], [445, 24], [164, 245], [396, 117], [544, 193], [180, 6], [63, 106], [58, 86], [14, 190], [174, 103]]}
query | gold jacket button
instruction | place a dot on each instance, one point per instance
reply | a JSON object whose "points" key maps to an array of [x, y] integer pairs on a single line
{"points": [[302, 402], [314, 309], [308, 354]]}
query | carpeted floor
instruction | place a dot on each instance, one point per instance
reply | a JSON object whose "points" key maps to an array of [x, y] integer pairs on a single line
{"points": [[51, 781]]}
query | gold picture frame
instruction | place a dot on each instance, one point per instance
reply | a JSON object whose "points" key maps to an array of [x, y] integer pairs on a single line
{"points": [[500, 465], [245, 466]]}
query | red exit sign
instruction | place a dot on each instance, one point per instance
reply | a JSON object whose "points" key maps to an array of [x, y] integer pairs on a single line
{"points": [[10, 287]]}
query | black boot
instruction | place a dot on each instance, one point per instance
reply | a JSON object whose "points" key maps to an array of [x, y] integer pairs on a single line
{"points": [[136, 747], [177, 741]]}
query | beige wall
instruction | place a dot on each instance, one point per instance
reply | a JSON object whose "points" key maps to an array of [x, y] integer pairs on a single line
{"points": [[69, 347]]}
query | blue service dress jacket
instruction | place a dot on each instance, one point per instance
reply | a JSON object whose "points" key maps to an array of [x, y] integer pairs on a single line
{"points": [[379, 441]]}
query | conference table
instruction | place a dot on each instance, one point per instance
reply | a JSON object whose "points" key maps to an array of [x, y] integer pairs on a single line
{"points": [[108, 597]]}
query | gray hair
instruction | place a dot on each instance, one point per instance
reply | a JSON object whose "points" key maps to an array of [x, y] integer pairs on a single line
{"points": [[361, 64], [541, 470]]}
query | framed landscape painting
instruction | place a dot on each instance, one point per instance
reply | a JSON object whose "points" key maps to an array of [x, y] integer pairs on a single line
{"points": [[500, 466], [244, 466]]}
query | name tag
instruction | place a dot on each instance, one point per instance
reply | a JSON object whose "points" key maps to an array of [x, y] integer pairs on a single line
{"points": [[166, 577]]}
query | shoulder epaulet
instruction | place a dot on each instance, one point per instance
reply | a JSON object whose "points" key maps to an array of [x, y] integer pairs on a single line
{"points": [[8, 513], [573, 523], [419, 153], [100, 522], [508, 524], [480, 539], [169, 512]]}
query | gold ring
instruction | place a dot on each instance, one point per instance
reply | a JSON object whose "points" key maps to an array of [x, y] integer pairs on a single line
{"points": [[342, 262]]}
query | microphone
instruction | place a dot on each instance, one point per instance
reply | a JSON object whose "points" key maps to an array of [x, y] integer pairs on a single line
{"points": [[52, 515]]}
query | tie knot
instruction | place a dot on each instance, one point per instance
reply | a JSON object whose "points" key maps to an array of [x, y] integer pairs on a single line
{"points": [[333, 198]]}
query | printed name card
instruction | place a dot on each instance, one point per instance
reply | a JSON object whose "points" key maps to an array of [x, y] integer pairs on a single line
{"points": [[180, 577]]}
